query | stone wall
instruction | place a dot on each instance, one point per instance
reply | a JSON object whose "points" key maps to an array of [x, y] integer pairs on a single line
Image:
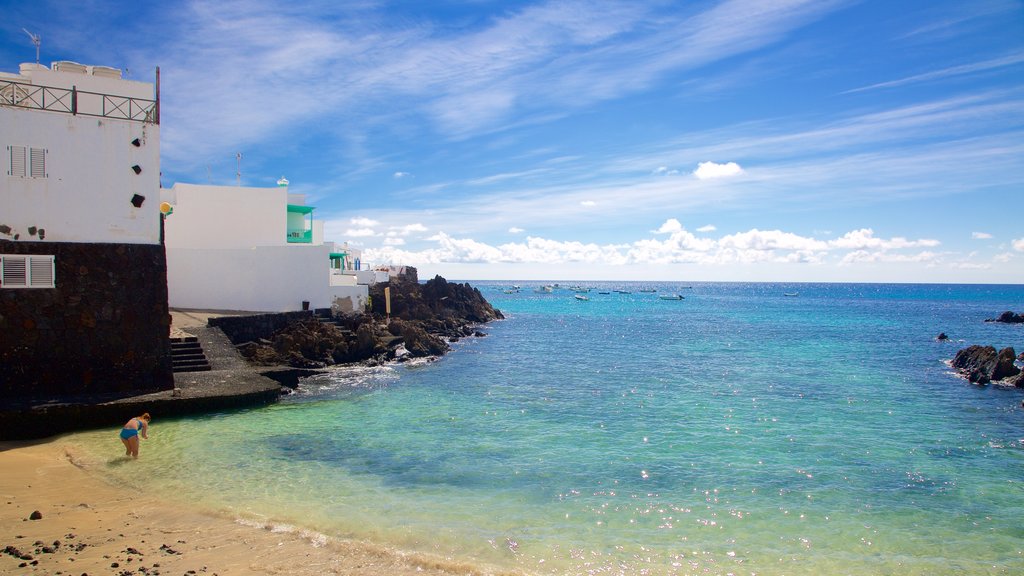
{"points": [[101, 332], [241, 329]]}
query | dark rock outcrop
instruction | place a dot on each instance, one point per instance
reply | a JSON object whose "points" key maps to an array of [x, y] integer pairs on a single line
{"points": [[1008, 317], [942, 336], [423, 319], [983, 364]]}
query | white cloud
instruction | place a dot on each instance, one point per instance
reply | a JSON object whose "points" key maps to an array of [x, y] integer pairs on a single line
{"points": [[394, 241], [1018, 244], [865, 238], [1009, 60], [670, 225], [865, 257], [665, 171], [680, 247], [514, 230], [400, 175], [360, 232], [709, 170], [364, 222], [981, 235], [771, 240], [707, 228], [588, 203], [406, 230]]}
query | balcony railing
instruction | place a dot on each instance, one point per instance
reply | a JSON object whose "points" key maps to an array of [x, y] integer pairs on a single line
{"points": [[300, 236], [78, 102]]}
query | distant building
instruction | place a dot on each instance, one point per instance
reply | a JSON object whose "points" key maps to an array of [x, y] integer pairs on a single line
{"points": [[257, 250], [83, 292]]}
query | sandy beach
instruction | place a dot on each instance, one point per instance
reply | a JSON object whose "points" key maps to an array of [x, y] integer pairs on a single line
{"points": [[86, 526]]}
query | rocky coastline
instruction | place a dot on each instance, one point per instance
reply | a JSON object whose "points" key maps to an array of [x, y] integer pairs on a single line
{"points": [[984, 365], [424, 320]]}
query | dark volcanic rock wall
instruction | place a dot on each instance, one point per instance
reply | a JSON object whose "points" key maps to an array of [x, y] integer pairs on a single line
{"points": [[423, 317], [102, 332]]}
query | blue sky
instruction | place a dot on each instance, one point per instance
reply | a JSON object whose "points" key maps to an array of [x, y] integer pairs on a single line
{"points": [[783, 140]]}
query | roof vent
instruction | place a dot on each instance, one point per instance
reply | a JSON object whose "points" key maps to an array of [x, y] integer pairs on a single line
{"points": [[106, 72], [69, 66]]}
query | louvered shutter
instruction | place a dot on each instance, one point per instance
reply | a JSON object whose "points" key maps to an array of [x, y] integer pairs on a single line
{"points": [[37, 156], [17, 161], [41, 271]]}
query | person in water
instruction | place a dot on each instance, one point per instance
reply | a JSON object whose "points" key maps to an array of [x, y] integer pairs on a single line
{"points": [[130, 434]]}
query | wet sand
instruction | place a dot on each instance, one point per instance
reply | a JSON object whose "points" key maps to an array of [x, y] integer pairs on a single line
{"points": [[87, 526]]}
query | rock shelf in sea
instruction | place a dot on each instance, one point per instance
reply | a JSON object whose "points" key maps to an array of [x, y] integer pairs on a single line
{"points": [[984, 365], [423, 319]]}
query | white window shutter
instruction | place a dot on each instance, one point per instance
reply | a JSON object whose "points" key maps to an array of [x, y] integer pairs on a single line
{"points": [[15, 272], [21, 271], [17, 161], [37, 157], [41, 271]]}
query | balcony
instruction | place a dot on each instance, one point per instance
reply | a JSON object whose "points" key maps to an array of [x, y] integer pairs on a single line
{"points": [[78, 102], [300, 236], [300, 224]]}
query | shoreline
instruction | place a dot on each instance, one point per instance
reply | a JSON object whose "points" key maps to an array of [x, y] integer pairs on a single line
{"points": [[90, 526]]}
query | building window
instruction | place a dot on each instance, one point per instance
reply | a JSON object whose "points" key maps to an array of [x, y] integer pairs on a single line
{"points": [[27, 162], [24, 271]]}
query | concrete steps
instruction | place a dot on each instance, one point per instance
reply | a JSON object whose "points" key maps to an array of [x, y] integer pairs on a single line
{"points": [[187, 355]]}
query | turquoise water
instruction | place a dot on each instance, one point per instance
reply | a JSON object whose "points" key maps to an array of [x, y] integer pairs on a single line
{"points": [[735, 431]]}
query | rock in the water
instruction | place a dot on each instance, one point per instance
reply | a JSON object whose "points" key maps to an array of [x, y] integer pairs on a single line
{"points": [[1008, 317], [942, 336], [982, 364], [1004, 364]]}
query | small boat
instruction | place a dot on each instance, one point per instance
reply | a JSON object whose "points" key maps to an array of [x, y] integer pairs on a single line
{"points": [[544, 289], [648, 290], [790, 293], [604, 292], [581, 298], [622, 292], [670, 297]]}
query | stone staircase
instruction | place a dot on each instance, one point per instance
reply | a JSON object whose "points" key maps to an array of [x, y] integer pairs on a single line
{"points": [[187, 355]]}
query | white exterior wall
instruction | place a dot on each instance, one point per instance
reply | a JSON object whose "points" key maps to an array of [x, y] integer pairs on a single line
{"points": [[228, 249], [86, 194], [266, 279], [226, 217]]}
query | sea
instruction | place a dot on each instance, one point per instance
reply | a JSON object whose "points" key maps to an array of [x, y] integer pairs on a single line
{"points": [[745, 428]]}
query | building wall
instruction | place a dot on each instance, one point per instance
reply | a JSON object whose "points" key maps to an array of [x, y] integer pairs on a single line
{"points": [[87, 193], [102, 331], [226, 216], [259, 279]]}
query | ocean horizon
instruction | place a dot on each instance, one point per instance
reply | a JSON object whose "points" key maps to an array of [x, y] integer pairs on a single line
{"points": [[744, 428]]}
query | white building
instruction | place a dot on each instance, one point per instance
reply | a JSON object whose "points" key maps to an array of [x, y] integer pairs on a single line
{"points": [[80, 142], [83, 292], [256, 250]]}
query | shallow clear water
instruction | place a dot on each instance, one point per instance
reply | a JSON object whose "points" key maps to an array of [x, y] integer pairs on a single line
{"points": [[735, 431]]}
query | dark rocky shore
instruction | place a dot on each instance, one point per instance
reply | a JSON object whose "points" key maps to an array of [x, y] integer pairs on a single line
{"points": [[252, 357], [985, 365], [424, 318]]}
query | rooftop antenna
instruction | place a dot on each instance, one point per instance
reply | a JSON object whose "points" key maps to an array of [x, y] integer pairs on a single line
{"points": [[238, 171], [35, 40]]}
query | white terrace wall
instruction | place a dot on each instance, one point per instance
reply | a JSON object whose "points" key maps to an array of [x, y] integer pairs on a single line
{"points": [[267, 279], [89, 183], [226, 217]]}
